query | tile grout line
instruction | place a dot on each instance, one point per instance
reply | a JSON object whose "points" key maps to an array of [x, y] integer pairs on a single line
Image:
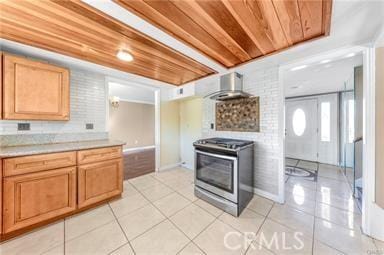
{"points": [[121, 228], [258, 231], [166, 217], [315, 217], [64, 237]]}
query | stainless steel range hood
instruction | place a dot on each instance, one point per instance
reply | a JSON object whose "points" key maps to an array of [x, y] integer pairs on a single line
{"points": [[231, 87]]}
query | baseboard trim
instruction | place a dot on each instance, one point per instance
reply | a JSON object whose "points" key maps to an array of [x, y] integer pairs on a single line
{"points": [[187, 166], [267, 195], [139, 148], [169, 166]]}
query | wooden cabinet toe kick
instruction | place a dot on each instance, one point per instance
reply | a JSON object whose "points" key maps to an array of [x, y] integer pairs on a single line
{"points": [[41, 189]]}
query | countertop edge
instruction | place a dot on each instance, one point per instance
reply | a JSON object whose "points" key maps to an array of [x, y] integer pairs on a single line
{"points": [[30, 150]]}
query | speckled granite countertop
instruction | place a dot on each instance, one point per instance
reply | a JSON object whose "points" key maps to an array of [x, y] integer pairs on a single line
{"points": [[24, 150]]}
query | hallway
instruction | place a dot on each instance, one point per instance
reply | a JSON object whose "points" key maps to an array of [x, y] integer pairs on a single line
{"points": [[319, 197]]}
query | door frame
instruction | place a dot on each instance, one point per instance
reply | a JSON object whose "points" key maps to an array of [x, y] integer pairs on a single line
{"points": [[157, 104], [370, 211]]}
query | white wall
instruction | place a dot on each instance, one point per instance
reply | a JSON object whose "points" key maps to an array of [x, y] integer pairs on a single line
{"points": [[131, 93], [169, 134], [191, 114], [87, 105], [265, 84]]}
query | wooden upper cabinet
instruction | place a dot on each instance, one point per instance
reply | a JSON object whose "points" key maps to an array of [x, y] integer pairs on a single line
{"points": [[32, 198], [33, 90]]}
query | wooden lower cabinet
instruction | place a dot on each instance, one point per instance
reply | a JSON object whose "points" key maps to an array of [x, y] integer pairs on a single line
{"points": [[39, 189], [99, 181], [33, 198]]}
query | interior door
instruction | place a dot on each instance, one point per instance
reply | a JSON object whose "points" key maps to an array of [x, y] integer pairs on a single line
{"points": [[302, 129]]}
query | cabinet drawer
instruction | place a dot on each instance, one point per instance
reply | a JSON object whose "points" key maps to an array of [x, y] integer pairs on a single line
{"points": [[96, 155], [33, 198], [29, 164], [99, 181]]}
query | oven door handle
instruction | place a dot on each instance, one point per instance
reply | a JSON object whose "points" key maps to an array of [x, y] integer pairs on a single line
{"points": [[215, 155]]}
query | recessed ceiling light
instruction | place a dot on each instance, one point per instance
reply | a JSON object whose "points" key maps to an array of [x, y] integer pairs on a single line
{"points": [[299, 67], [325, 61], [124, 55], [350, 55]]}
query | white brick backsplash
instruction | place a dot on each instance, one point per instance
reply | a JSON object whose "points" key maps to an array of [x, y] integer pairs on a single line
{"points": [[87, 105], [265, 84]]}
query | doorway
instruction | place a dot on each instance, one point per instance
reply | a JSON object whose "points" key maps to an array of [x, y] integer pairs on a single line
{"points": [[132, 119], [320, 152]]}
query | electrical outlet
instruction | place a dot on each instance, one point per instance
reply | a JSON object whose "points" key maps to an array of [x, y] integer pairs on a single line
{"points": [[89, 126], [23, 126]]}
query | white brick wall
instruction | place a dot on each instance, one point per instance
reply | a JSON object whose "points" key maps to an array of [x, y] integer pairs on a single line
{"points": [[87, 103], [265, 84]]}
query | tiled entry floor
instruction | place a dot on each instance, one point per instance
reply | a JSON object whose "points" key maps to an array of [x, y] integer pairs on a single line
{"points": [[159, 214]]}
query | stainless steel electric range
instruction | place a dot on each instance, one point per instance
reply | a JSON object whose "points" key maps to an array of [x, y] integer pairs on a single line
{"points": [[224, 173]]}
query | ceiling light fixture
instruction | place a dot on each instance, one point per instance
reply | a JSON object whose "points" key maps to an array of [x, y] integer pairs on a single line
{"points": [[325, 61], [350, 55], [124, 55], [299, 67]]}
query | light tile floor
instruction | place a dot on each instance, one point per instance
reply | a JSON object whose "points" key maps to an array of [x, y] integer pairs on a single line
{"points": [[159, 214]]}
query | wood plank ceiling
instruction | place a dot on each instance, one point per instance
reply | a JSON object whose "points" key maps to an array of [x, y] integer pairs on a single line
{"points": [[236, 31], [76, 29]]}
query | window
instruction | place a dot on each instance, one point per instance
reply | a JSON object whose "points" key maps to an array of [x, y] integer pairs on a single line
{"points": [[326, 122], [299, 122], [351, 120]]}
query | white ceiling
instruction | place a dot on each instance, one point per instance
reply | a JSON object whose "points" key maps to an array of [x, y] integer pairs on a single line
{"points": [[131, 92], [320, 77], [354, 22]]}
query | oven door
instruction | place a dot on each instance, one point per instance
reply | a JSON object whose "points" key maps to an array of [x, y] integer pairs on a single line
{"points": [[217, 174]]}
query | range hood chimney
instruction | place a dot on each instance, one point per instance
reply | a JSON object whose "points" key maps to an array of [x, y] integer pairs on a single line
{"points": [[231, 87]]}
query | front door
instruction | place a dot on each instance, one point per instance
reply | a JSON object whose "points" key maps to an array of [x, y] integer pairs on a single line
{"points": [[302, 129]]}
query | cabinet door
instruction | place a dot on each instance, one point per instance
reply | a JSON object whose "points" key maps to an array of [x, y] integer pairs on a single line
{"points": [[34, 90], [1, 86], [99, 181], [1, 197], [33, 198]]}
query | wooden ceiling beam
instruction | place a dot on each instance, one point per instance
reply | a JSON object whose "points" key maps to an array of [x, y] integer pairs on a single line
{"points": [[168, 18], [193, 9], [233, 32], [73, 28], [289, 16]]}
